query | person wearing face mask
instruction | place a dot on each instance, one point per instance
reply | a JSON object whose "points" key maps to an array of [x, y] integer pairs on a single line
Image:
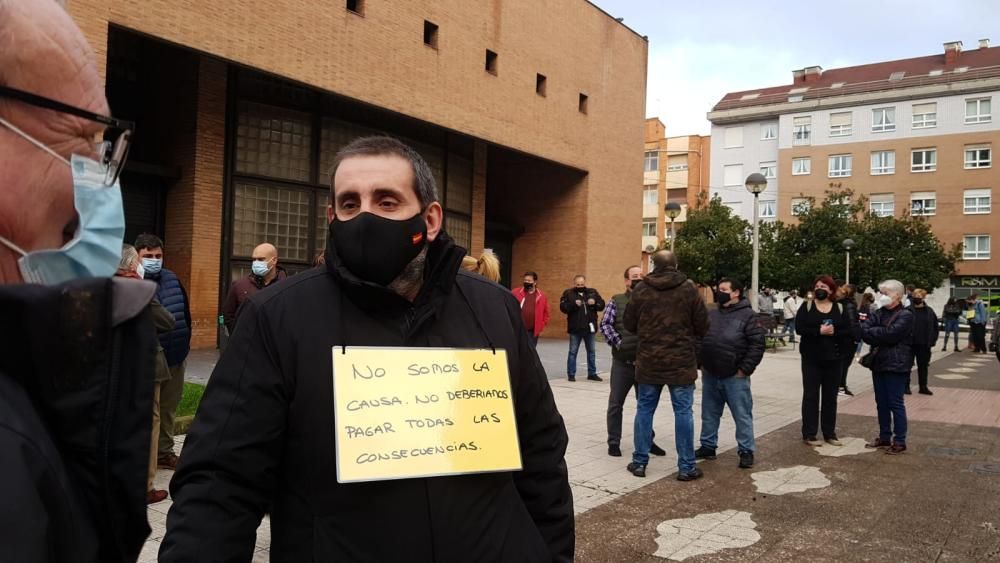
{"points": [[264, 271], [623, 347], [176, 343], [925, 336], [265, 431], [76, 344], [824, 330], [846, 298], [730, 352], [130, 267], [889, 331], [534, 306], [580, 304]]}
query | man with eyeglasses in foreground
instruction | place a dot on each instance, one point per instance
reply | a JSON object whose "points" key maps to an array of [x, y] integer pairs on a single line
{"points": [[76, 346]]}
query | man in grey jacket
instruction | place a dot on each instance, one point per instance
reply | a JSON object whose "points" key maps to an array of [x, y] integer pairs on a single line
{"points": [[730, 352]]}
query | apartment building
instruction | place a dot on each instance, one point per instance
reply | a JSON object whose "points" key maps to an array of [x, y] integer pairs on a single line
{"points": [[914, 136], [675, 170], [527, 115]]}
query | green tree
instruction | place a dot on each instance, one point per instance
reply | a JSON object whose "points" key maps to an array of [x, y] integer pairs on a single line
{"points": [[713, 243], [901, 248]]}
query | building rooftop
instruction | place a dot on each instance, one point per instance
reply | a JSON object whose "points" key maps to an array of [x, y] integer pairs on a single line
{"points": [[952, 65]]}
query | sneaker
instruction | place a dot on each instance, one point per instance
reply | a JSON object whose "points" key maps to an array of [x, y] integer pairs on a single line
{"points": [[639, 470], [957, 350], [907, 391], [834, 441], [657, 450], [746, 460], [926, 391], [168, 461], [155, 495], [594, 378], [848, 392], [704, 453], [841, 391], [878, 443], [614, 451], [812, 441], [945, 349], [896, 449], [690, 475], [571, 377]]}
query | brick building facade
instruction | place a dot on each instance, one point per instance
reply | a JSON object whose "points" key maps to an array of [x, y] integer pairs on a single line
{"points": [[530, 116]]}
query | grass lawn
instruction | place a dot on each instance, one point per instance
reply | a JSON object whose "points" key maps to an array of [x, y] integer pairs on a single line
{"points": [[191, 398]]}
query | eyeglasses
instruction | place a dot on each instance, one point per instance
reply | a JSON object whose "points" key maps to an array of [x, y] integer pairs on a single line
{"points": [[112, 150]]}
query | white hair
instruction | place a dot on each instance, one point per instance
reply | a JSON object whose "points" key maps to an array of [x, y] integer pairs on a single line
{"points": [[129, 258], [893, 286]]}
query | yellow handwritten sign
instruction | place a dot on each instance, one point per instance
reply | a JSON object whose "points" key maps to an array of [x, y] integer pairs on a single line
{"points": [[421, 412]]}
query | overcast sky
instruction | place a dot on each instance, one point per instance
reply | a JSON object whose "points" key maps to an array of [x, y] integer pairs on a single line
{"points": [[700, 50]]}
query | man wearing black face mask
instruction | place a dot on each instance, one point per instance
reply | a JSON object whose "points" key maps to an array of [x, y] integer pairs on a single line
{"points": [[534, 306], [265, 431], [623, 347], [580, 304]]}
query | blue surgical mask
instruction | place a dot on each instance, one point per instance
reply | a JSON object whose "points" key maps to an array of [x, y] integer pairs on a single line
{"points": [[152, 265], [95, 249], [260, 268]]}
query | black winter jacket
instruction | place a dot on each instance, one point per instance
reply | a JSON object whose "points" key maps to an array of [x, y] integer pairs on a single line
{"points": [[925, 320], [264, 434], [890, 335], [76, 397], [735, 341], [580, 317]]}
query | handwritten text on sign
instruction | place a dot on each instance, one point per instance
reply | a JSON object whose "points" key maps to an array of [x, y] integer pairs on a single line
{"points": [[418, 412]]}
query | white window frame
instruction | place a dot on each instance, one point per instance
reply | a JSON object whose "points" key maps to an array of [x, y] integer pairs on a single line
{"points": [[925, 120], [800, 206], [677, 167], [977, 161], [767, 209], [927, 204], [733, 131], [883, 166], [656, 196], [802, 133], [842, 130], [651, 157], [979, 116], [769, 169], [888, 122], [770, 127], [842, 171], [976, 254], [924, 166], [977, 201], [739, 181], [882, 205], [804, 168], [646, 227]]}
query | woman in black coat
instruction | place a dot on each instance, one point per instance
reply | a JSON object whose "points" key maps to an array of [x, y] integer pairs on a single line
{"points": [[850, 341], [889, 332], [825, 328], [925, 335]]}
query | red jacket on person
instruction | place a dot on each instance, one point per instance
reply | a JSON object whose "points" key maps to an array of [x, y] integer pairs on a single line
{"points": [[541, 307]]}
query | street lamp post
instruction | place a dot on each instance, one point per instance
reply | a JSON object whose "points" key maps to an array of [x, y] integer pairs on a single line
{"points": [[673, 210], [848, 245], [755, 184]]}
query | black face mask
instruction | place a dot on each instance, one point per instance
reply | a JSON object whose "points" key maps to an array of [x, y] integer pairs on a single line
{"points": [[917, 301], [377, 249], [721, 297], [528, 286], [821, 294], [635, 283]]}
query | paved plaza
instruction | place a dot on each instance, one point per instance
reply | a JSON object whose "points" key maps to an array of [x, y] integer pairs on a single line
{"points": [[801, 503]]}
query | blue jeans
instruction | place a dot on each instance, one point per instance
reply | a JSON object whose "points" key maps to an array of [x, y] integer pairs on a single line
{"points": [[574, 347], [716, 393], [789, 328], [889, 387], [681, 397]]}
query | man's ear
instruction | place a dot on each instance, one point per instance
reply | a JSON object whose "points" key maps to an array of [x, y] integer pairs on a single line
{"points": [[434, 216]]}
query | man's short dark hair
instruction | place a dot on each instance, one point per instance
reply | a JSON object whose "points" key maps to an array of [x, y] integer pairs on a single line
{"points": [[629, 268], [533, 275], [147, 241], [664, 259], [734, 284], [423, 181]]}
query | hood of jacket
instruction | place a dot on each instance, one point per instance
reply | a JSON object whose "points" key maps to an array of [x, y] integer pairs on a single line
{"points": [[667, 278]]}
